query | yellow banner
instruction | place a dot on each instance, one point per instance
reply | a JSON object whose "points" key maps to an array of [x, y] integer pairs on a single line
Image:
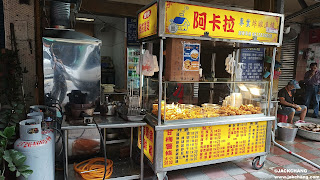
{"points": [[193, 20], [191, 145], [148, 141], [147, 22]]}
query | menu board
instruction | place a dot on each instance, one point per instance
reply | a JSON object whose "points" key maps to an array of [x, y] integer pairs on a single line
{"points": [[148, 141], [132, 39], [198, 144], [191, 57], [251, 63]]}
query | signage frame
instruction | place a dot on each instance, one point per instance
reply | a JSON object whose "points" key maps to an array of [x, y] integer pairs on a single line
{"points": [[148, 38], [161, 23]]}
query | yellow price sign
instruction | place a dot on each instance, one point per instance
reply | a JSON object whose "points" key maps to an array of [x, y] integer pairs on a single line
{"points": [[193, 20], [148, 141], [198, 144], [147, 22]]}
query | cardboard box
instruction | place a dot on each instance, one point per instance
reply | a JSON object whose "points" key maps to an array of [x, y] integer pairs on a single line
{"points": [[174, 70]]}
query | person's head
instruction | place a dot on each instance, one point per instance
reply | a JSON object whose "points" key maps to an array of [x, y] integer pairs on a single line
{"points": [[293, 84], [313, 66]]}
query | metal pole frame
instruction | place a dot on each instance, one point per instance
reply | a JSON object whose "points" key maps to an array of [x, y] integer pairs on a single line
{"points": [[141, 78], [142, 153], [65, 144], [271, 77], [160, 81]]}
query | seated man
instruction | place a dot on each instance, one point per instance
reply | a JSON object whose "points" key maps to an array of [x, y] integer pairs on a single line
{"points": [[287, 106]]}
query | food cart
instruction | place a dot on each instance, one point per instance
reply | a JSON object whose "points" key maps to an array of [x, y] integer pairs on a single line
{"points": [[184, 135]]}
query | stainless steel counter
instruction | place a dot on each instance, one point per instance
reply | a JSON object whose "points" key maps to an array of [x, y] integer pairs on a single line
{"points": [[105, 122]]}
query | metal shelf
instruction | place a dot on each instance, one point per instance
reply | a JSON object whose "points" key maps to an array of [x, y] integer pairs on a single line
{"points": [[117, 141], [103, 122], [116, 93], [125, 169]]}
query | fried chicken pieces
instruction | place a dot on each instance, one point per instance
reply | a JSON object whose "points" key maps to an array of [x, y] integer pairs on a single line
{"points": [[174, 112]]}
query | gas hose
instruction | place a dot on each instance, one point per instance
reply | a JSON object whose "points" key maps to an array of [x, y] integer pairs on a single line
{"points": [[93, 169]]}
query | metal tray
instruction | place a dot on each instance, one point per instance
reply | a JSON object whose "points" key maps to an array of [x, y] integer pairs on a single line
{"points": [[307, 134], [132, 118], [136, 118]]}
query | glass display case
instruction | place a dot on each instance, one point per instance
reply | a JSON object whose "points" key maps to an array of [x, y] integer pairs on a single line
{"points": [[132, 63], [190, 101]]}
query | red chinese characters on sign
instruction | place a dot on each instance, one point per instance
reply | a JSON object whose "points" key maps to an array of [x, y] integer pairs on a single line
{"points": [[144, 27], [272, 24], [169, 146], [146, 132], [200, 20], [151, 151], [151, 135], [215, 21], [169, 139], [169, 153], [260, 24], [169, 132], [145, 147], [228, 24], [254, 23]]}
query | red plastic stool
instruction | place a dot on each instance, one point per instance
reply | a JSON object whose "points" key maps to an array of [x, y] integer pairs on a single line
{"points": [[282, 118]]}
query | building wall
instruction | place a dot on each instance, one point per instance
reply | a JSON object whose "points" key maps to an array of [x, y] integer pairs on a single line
{"points": [[113, 45], [303, 43], [85, 28], [2, 41], [22, 16], [118, 55], [107, 39]]}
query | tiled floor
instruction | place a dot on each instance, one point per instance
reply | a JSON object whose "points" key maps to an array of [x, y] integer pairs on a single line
{"points": [[276, 161]]}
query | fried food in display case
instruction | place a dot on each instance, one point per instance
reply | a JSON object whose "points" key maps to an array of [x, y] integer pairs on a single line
{"points": [[183, 111]]}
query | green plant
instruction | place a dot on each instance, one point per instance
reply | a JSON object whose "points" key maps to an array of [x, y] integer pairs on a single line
{"points": [[11, 90], [12, 111], [13, 158]]}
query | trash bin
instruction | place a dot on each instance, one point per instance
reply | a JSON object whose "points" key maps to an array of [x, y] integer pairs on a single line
{"points": [[287, 132]]}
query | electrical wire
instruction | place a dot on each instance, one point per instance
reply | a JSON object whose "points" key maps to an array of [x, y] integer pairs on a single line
{"points": [[61, 135], [64, 156], [92, 169], [104, 151]]}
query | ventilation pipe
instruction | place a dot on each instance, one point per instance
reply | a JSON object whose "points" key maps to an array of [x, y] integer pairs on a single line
{"points": [[60, 15], [303, 4]]}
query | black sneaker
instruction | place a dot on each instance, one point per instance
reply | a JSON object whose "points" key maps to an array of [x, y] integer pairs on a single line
{"points": [[314, 116]]}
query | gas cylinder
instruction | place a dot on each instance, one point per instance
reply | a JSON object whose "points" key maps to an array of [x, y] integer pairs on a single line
{"points": [[38, 150], [50, 133], [40, 117]]}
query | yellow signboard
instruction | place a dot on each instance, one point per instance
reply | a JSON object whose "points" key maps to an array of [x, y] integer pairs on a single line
{"points": [[193, 20], [147, 22], [191, 145], [148, 141]]}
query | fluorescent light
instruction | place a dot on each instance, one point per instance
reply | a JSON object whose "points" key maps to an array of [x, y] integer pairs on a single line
{"points": [[84, 19], [255, 91], [243, 87]]}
